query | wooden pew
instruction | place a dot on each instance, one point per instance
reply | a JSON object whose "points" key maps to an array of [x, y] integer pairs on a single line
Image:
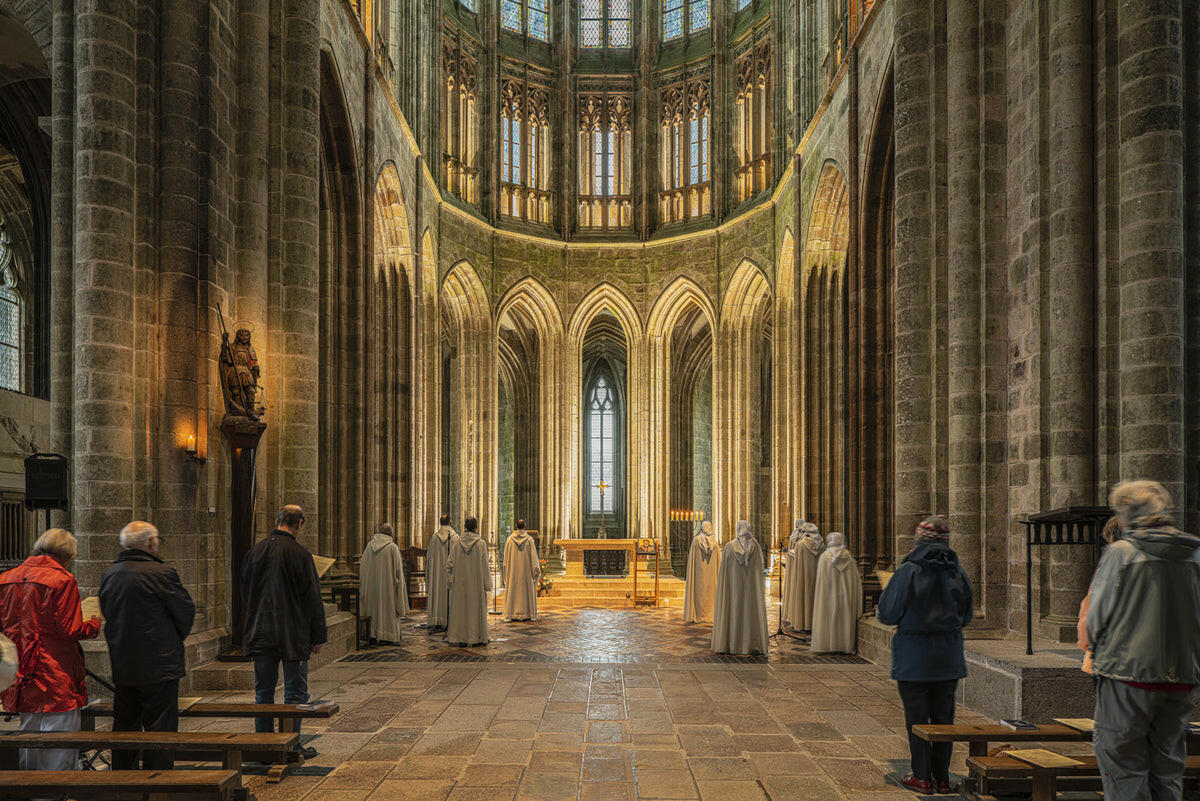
{"points": [[287, 715], [1044, 780], [83, 784], [977, 737], [228, 748]]}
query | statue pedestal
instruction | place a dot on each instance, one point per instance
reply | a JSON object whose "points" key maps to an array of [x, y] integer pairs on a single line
{"points": [[243, 435]]}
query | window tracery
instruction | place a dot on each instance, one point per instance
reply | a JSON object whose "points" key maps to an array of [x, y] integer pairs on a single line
{"points": [[753, 137], [605, 161], [605, 23], [10, 317], [684, 150], [524, 151], [602, 406], [460, 144]]}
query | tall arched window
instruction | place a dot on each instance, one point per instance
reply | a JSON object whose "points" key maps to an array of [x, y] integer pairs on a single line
{"points": [[602, 404], [10, 318], [604, 23]]}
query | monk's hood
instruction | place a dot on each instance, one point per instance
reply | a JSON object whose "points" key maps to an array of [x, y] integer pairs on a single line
{"points": [[519, 538], [743, 547], [380, 540], [706, 544], [841, 558], [468, 539], [444, 533]]}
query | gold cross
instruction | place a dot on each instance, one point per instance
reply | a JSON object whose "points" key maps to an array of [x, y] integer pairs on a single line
{"points": [[602, 486]]}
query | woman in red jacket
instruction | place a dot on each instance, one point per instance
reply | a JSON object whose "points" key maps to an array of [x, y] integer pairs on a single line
{"points": [[40, 613]]}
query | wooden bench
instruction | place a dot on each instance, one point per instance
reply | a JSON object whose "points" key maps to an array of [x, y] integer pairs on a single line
{"points": [[83, 784], [1045, 780], [228, 748], [977, 737], [287, 715]]}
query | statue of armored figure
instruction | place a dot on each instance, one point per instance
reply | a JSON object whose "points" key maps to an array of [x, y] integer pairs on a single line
{"points": [[239, 375]]}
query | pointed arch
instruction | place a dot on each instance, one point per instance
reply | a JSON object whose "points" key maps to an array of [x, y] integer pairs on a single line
{"points": [[530, 296], [608, 297], [673, 301], [786, 385], [393, 237]]}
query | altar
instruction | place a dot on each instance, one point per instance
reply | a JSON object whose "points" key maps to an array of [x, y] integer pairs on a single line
{"points": [[596, 557], [593, 579]]}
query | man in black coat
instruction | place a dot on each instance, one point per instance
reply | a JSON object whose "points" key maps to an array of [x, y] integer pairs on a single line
{"points": [[285, 617], [147, 615]]}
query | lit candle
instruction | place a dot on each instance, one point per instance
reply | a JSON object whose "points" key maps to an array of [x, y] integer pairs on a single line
{"points": [[191, 446]]}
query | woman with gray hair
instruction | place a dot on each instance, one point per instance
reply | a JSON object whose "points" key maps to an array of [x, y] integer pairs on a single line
{"points": [[1144, 635], [40, 613]]}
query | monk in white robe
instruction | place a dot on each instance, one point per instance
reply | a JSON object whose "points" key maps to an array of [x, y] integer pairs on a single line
{"points": [[740, 614], [800, 584], [470, 581], [382, 593], [521, 573], [838, 603], [437, 583], [704, 559]]}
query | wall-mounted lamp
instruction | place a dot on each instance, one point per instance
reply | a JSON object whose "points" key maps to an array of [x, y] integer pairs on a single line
{"points": [[191, 449]]}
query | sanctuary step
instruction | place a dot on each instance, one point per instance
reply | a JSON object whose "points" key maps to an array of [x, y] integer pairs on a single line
{"points": [[608, 593]]}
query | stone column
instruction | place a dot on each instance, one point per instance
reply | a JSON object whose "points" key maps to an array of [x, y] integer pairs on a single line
{"points": [[296, 357], [105, 116], [914, 251], [62, 235], [1150, 69], [965, 329]]}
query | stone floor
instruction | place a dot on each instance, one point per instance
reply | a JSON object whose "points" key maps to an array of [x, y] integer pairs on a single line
{"points": [[665, 727]]}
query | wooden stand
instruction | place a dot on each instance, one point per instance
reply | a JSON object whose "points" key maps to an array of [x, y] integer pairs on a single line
{"points": [[243, 435]]}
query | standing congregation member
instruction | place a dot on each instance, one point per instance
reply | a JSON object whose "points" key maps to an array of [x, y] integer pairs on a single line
{"points": [[40, 613], [470, 581], [521, 573], [1144, 633], [703, 564], [437, 580], [929, 600], [148, 613], [740, 612], [837, 603], [382, 593], [285, 617]]}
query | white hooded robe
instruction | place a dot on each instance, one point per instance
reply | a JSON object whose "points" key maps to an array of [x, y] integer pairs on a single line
{"points": [[838, 603], [800, 584], [382, 594], [704, 559], [521, 573], [740, 614], [470, 581], [437, 582]]}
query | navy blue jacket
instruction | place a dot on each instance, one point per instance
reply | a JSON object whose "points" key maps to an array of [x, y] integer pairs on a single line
{"points": [[929, 600]]}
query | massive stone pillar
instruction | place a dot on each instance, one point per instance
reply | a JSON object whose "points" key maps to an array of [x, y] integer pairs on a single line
{"points": [[104, 210], [1150, 74]]}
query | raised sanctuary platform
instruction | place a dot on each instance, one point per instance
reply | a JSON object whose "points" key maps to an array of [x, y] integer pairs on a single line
{"points": [[578, 589]]}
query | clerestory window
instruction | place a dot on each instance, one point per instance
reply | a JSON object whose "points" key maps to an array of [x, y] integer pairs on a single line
{"points": [[604, 23], [526, 17], [685, 17]]}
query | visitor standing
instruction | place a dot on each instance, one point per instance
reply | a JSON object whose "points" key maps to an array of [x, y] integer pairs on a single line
{"points": [[1144, 634], [148, 613], [382, 592], [40, 613], [285, 617], [930, 601], [437, 580], [469, 581]]}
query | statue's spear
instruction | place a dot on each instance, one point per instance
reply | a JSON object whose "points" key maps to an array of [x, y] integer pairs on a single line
{"points": [[227, 352]]}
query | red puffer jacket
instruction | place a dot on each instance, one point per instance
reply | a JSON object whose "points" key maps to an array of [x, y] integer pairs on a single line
{"points": [[39, 612]]}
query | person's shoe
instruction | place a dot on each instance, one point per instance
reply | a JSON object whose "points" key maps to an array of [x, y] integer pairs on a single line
{"points": [[922, 786], [945, 788], [307, 751]]}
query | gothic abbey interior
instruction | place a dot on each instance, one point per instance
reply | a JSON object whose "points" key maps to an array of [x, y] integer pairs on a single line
{"points": [[602, 265]]}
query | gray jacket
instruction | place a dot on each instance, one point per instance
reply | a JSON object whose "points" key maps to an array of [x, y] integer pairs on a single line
{"points": [[1144, 620]]}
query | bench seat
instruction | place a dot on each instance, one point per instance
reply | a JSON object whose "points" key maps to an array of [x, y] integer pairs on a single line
{"points": [[1045, 780], [229, 748], [83, 784]]}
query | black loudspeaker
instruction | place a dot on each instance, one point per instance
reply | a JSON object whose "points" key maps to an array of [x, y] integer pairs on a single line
{"points": [[46, 481]]}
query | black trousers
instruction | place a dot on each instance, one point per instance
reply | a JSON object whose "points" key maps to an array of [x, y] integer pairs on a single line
{"points": [[928, 702], [150, 707]]}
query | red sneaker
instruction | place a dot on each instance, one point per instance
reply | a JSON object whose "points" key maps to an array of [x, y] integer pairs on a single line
{"points": [[922, 786], [944, 788]]}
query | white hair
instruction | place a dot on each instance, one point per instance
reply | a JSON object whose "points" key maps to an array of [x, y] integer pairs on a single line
{"points": [[1140, 504], [56, 542], [137, 534]]}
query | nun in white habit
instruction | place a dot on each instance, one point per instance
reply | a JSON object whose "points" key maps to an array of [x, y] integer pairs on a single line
{"points": [[704, 557], [800, 584], [470, 581], [740, 616], [437, 582], [838, 602], [521, 573], [382, 594]]}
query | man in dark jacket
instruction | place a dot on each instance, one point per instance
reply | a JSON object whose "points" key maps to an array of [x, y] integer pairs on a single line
{"points": [[1144, 634], [148, 614], [285, 617], [929, 599]]}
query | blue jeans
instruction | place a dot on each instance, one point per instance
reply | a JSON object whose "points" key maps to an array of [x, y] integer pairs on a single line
{"points": [[266, 675]]}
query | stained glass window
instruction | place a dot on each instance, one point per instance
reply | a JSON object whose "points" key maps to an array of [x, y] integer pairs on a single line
{"points": [[529, 17], [10, 325], [510, 16], [685, 16], [742, 4], [602, 405], [703, 138], [537, 20], [699, 15], [604, 23], [467, 4], [672, 19]]}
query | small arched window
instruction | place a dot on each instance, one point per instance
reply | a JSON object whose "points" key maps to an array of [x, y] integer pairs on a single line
{"points": [[10, 317], [602, 403]]}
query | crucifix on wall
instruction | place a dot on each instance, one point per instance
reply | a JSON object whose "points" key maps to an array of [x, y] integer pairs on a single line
{"points": [[601, 534]]}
